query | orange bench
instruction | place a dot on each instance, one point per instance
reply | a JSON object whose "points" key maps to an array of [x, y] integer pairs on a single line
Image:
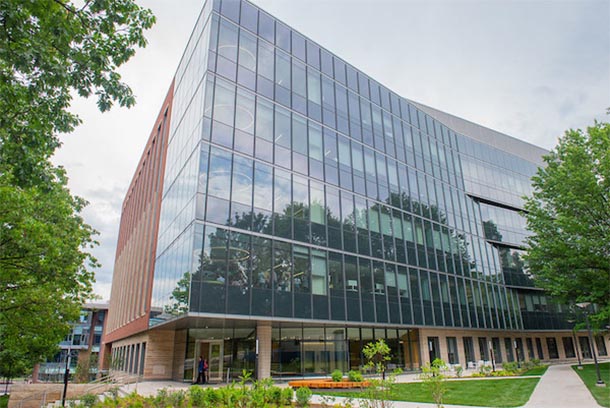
{"points": [[328, 383]]}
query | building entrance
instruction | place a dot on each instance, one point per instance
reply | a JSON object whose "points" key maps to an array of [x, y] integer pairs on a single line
{"points": [[212, 351]]}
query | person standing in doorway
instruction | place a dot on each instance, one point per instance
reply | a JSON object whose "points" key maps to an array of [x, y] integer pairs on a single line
{"points": [[201, 370]]}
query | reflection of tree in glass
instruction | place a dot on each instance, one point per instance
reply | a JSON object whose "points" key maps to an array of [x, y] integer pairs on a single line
{"points": [[242, 256], [180, 296]]}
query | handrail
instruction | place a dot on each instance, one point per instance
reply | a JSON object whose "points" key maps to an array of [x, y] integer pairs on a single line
{"points": [[98, 383]]}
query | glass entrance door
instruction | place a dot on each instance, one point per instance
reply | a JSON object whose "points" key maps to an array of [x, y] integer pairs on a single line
{"points": [[215, 358], [212, 351]]}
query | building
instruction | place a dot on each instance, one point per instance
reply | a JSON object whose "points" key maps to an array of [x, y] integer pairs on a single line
{"points": [[80, 347], [289, 209]]}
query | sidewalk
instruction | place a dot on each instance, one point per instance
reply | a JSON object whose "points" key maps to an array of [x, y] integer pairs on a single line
{"points": [[561, 387]]}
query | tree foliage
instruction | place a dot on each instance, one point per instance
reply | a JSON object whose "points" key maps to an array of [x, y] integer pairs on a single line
{"points": [[569, 215], [50, 51]]}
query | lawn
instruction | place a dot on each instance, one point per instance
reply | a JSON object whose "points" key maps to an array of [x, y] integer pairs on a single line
{"points": [[3, 401], [589, 377], [536, 371], [482, 393]]}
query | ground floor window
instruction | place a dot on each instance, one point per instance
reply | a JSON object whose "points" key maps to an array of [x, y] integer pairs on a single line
{"points": [[552, 345], [495, 341], [468, 349], [539, 347], [452, 350], [508, 345], [601, 346], [585, 347], [568, 347], [297, 351], [530, 348]]}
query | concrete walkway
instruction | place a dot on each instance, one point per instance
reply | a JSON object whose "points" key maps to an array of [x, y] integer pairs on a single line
{"points": [[561, 387]]}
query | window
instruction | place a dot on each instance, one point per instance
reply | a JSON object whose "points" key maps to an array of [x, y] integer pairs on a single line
{"points": [[468, 349], [452, 350], [568, 347], [318, 273], [483, 350], [552, 345], [601, 346], [508, 345]]}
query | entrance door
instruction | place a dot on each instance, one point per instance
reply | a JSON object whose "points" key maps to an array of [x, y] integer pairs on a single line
{"points": [[211, 350]]}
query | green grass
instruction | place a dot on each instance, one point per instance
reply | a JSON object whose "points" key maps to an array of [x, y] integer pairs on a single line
{"points": [[482, 393], [589, 376], [3, 401], [536, 371]]}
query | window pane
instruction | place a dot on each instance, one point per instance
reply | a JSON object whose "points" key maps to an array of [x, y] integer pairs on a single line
{"points": [[318, 273]]}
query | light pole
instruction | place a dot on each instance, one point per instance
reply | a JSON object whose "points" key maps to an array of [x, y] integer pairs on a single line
{"points": [[585, 308], [66, 375]]}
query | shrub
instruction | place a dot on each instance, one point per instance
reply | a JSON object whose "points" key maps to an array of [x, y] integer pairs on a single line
{"points": [[196, 396], [287, 394], [274, 395], [433, 376], [536, 362], [511, 367], [354, 376], [337, 375], [177, 399], [303, 396], [459, 370], [88, 400]]}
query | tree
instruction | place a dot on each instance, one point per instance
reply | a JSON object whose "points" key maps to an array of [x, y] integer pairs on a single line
{"points": [[51, 50], [569, 216], [433, 376], [44, 267]]}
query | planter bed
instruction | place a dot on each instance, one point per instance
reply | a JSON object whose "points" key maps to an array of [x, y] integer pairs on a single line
{"points": [[328, 384]]}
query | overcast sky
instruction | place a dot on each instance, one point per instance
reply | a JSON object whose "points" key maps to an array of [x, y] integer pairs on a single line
{"points": [[530, 69]]}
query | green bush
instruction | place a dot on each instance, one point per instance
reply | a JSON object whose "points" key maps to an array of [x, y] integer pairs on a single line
{"points": [[354, 376], [511, 366], [196, 396], [303, 396], [459, 370], [177, 399], [88, 400], [337, 375], [536, 362], [274, 395], [287, 395]]}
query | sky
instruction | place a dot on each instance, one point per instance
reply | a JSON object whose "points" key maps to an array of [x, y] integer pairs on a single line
{"points": [[530, 69]]}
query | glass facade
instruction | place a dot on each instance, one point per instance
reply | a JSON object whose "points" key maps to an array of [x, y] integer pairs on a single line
{"points": [[297, 187]]}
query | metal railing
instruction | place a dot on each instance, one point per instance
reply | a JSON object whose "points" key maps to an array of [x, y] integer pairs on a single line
{"points": [[96, 386]]}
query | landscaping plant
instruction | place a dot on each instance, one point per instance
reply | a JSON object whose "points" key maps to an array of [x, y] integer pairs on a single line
{"points": [[337, 375], [433, 375]]}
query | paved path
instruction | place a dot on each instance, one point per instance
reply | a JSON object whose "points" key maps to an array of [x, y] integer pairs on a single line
{"points": [[561, 387]]}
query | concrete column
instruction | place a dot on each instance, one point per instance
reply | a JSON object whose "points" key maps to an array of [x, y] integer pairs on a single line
{"points": [[263, 337]]}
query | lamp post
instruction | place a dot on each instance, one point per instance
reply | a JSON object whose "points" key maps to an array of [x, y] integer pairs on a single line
{"points": [[66, 375], [585, 308]]}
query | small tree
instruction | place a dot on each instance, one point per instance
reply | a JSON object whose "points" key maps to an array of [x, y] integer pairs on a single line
{"points": [[377, 355], [433, 375], [379, 392]]}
